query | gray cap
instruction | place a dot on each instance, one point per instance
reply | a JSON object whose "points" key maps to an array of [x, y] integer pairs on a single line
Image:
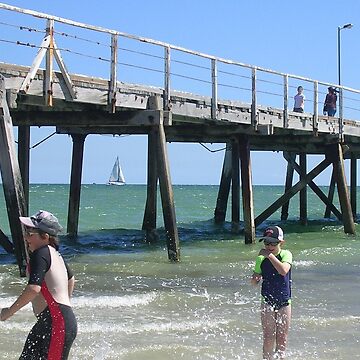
{"points": [[44, 221]]}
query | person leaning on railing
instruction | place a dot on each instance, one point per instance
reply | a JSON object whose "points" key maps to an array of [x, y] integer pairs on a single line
{"points": [[330, 102]]}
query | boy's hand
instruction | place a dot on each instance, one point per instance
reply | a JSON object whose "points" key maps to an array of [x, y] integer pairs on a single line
{"points": [[264, 252], [255, 278]]}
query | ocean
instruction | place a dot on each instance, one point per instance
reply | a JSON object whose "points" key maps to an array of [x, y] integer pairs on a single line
{"points": [[132, 303]]}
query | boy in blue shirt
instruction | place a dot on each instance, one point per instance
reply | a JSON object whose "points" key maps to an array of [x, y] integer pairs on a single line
{"points": [[273, 267]]}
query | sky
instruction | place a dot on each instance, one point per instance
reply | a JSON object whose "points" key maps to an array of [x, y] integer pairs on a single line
{"points": [[291, 37]]}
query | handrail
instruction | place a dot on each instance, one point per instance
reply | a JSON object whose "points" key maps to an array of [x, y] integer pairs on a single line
{"points": [[168, 48], [164, 44]]}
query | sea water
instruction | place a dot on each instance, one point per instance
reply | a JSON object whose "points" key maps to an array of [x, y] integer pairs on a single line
{"points": [[132, 303]]}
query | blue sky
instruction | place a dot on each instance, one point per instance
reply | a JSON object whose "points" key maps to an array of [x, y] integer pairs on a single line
{"points": [[293, 37]]}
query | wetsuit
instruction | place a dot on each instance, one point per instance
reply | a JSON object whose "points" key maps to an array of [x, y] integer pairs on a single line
{"points": [[275, 288], [56, 327]]}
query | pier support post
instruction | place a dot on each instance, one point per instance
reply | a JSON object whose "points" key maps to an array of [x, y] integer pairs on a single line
{"points": [[303, 191], [24, 161], [235, 188], [224, 188], [330, 195], [353, 184], [149, 222], [343, 193], [247, 190], [167, 198], [75, 183], [166, 190], [288, 182], [11, 178]]}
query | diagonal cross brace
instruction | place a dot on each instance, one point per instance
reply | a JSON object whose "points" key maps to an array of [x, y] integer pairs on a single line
{"points": [[292, 191], [315, 188]]}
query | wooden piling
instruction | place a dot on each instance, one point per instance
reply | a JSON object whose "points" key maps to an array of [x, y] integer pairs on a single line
{"points": [[247, 190], [167, 198], [11, 178], [353, 184], [330, 195], [224, 188], [166, 190], [149, 221], [235, 187], [75, 183], [24, 161], [303, 191], [288, 182], [343, 193]]}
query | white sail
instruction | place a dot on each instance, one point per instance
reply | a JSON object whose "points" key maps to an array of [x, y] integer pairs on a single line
{"points": [[116, 176]]}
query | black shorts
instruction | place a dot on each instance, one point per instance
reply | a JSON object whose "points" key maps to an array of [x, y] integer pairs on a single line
{"points": [[277, 305], [43, 339]]}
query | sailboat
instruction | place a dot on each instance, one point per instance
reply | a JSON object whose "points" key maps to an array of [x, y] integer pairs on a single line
{"points": [[116, 176]]}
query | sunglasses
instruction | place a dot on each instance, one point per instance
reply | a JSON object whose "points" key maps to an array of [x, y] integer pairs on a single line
{"points": [[271, 243]]}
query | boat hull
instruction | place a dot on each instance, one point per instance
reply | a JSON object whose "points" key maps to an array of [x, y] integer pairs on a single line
{"points": [[116, 183]]}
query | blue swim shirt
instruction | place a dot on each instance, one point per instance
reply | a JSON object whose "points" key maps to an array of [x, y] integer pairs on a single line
{"points": [[275, 288]]}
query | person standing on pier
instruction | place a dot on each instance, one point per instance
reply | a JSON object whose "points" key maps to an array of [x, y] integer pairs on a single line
{"points": [[330, 102], [49, 289], [273, 267], [299, 100]]}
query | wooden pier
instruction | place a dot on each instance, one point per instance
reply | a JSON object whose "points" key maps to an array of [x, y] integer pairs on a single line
{"points": [[79, 105]]}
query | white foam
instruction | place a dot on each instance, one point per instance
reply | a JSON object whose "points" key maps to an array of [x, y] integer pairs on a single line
{"points": [[113, 301], [304, 263], [324, 322], [24, 326], [152, 327]]}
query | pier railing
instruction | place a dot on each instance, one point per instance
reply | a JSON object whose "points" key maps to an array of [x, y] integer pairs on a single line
{"points": [[121, 57]]}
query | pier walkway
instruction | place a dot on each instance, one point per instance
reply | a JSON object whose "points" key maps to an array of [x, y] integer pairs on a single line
{"points": [[170, 94]]}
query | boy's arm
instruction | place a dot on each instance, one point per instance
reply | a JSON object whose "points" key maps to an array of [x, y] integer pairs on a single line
{"points": [[256, 276], [282, 267]]}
